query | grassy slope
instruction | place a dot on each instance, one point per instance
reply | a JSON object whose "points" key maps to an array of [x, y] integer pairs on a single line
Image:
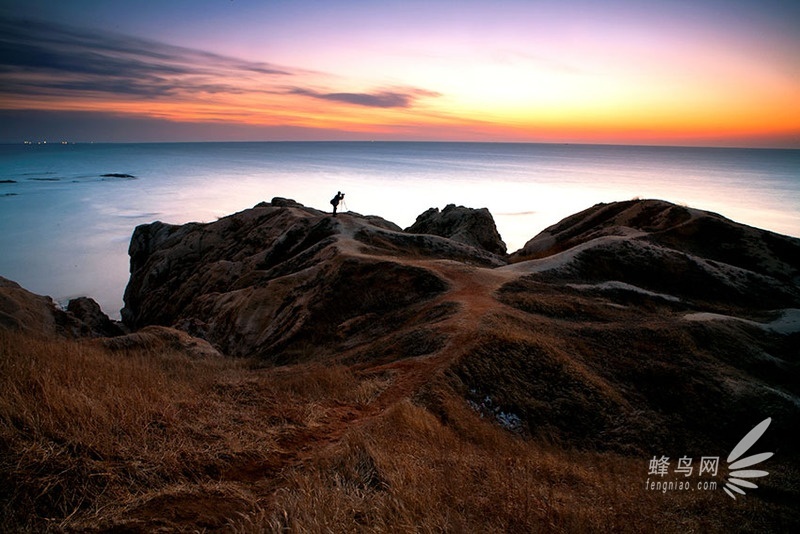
{"points": [[152, 439], [390, 429]]}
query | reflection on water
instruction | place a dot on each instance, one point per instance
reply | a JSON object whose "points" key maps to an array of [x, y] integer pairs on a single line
{"points": [[64, 229]]}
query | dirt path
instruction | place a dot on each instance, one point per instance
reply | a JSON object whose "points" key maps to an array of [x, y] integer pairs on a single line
{"points": [[472, 290]]}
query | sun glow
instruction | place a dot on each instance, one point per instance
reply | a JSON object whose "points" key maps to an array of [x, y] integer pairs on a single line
{"points": [[551, 72]]}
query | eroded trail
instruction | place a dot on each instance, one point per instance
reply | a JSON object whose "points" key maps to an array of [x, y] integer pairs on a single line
{"points": [[472, 291], [309, 424]]}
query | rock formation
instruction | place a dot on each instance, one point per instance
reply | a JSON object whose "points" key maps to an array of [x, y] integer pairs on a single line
{"points": [[628, 326], [611, 329], [465, 225], [99, 324], [24, 311], [160, 338], [37, 315], [661, 247], [280, 278]]}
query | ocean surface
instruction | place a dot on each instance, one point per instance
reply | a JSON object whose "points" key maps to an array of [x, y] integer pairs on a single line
{"points": [[65, 228]]}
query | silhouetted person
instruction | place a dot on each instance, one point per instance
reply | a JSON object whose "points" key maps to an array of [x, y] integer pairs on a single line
{"points": [[335, 201]]}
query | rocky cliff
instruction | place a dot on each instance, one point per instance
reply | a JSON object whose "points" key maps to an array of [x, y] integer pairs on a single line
{"points": [[609, 329], [282, 279]]}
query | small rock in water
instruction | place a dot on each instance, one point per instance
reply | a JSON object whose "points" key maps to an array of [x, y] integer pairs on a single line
{"points": [[117, 175]]}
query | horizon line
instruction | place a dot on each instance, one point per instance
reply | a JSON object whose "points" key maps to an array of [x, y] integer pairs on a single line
{"points": [[399, 141], [63, 142]]}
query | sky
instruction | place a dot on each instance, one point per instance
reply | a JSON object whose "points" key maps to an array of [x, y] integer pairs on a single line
{"points": [[701, 72]]}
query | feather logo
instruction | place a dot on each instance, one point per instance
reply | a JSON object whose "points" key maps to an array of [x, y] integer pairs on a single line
{"points": [[737, 474]]}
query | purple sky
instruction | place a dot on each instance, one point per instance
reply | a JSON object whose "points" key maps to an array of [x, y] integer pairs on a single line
{"points": [[701, 72]]}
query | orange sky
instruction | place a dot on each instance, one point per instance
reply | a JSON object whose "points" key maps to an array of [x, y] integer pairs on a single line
{"points": [[705, 73]]}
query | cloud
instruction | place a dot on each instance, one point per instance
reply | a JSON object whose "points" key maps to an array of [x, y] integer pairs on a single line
{"points": [[380, 99], [52, 70], [48, 59], [88, 126], [49, 63]]}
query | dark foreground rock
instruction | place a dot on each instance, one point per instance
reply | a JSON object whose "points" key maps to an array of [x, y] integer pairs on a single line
{"points": [[24, 311], [88, 311], [155, 338]]}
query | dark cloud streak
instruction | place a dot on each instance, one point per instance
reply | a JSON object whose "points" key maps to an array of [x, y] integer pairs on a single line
{"points": [[44, 59], [40, 58], [380, 99]]}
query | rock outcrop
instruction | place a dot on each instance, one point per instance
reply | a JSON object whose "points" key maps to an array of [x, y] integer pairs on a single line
{"points": [[664, 248], [704, 234], [280, 278], [23, 311], [155, 338], [611, 329], [89, 313], [38, 315], [627, 326], [473, 227]]}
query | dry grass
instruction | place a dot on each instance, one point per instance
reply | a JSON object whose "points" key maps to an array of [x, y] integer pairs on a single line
{"points": [[88, 436], [410, 473], [82, 427], [152, 440]]}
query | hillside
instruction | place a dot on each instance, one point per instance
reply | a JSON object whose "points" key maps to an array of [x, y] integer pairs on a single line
{"points": [[324, 371]]}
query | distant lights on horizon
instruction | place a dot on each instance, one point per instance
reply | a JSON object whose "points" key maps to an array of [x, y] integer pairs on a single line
{"points": [[44, 142]]}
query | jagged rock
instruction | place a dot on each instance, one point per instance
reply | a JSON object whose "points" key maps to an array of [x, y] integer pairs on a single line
{"points": [[473, 227], [88, 311], [23, 311], [275, 278], [280, 202], [608, 317]]}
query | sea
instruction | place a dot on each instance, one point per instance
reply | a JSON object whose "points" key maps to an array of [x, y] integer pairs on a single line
{"points": [[67, 211]]}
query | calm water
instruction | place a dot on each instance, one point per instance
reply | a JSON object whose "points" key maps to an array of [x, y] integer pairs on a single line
{"points": [[64, 229]]}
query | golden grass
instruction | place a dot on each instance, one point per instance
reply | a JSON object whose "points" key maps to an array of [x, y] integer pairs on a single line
{"points": [[81, 426], [88, 434], [409, 473], [154, 440]]}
